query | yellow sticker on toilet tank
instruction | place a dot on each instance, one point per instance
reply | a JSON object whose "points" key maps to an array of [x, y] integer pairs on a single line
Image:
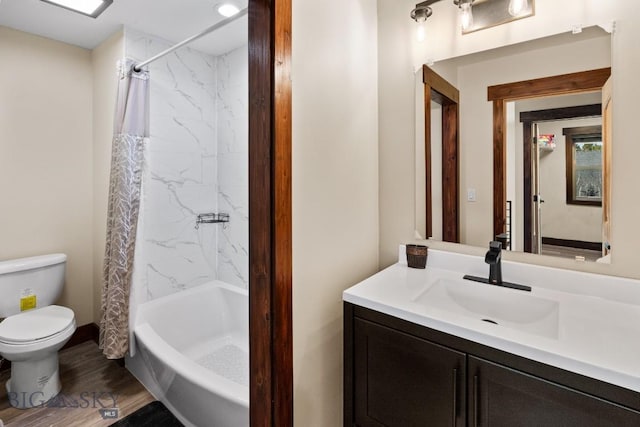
{"points": [[28, 302]]}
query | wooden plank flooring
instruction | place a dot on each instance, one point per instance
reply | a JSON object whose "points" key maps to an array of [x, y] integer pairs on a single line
{"points": [[89, 381]]}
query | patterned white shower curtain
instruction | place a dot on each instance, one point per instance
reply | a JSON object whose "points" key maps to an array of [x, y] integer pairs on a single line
{"points": [[131, 130]]}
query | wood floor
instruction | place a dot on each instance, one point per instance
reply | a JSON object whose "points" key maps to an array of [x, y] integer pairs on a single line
{"points": [[89, 383]]}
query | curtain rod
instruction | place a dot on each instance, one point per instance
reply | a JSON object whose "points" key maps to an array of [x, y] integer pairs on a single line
{"points": [[206, 31]]}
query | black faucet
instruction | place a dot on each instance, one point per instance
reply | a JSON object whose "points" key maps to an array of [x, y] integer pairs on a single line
{"points": [[494, 259]]}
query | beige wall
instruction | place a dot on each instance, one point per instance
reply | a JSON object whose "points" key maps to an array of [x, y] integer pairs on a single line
{"points": [[335, 189], [46, 158], [103, 59]]}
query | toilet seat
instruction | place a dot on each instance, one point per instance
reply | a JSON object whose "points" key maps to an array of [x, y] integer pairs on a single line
{"points": [[36, 325]]}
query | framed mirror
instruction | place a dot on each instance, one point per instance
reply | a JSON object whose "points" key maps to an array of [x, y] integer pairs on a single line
{"points": [[483, 163]]}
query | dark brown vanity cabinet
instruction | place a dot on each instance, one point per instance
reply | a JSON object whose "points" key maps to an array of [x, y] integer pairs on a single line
{"points": [[504, 397], [399, 374], [402, 380]]}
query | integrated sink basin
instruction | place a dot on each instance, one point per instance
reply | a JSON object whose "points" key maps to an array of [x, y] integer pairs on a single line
{"points": [[501, 307]]}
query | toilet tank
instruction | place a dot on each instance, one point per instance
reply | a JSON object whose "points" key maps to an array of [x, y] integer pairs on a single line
{"points": [[30, 282]]}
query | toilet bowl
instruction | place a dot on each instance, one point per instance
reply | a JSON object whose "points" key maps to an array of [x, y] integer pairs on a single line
{"points": [[30, 338]]}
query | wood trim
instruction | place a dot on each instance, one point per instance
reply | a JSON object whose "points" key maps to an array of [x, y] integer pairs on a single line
{"points": [[499, 168], [450, 174], [607, 140], [527, 169], [552, 114], [567, 243], [445, 91], [427, 161], [82, 334], [584, 81], [437, 89], [282, 240], [270, 271], [585, 131]]}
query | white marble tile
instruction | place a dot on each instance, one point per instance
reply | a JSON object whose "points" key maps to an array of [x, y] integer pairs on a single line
{"points": [[233, 170], [233, 252], [179, 182], [187, 135], [232, 140], [196, 162]]}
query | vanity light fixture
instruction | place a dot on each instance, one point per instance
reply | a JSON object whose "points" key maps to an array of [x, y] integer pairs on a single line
{"points": [[420, 15], [466, 13], [92, 8], [518, 7], [476, 14]]}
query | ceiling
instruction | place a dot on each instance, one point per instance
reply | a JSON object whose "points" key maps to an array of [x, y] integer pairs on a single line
{"points": [[173, 20]]}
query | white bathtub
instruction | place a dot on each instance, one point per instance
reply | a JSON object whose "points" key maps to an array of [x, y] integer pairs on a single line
{"points": [[192, 354]]}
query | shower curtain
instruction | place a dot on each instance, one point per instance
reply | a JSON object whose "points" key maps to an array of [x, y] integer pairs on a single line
{"points": [[131, 130]]}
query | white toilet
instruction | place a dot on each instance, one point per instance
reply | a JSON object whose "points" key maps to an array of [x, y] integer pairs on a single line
{"points": [[33, 329]]}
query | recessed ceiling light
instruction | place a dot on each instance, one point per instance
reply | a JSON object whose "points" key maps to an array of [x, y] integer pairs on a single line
{"points": [[91, 8], [228, 9]]}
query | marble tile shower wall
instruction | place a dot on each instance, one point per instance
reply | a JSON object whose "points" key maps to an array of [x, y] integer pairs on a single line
{"points": [[182, 175], [233, 167]]}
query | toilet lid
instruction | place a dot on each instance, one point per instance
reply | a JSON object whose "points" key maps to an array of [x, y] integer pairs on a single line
{"points": [[35, 324]]}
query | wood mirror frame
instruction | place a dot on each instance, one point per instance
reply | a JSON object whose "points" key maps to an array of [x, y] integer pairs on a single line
{"points": [[564, 84], [438, 90]]}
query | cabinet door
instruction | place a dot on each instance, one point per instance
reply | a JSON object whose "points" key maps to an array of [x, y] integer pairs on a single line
{"points": [[401, 380], [503, 397]]}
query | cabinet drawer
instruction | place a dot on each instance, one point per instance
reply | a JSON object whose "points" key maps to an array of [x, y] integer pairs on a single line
{"points": [[401, 380], [504, 397]]}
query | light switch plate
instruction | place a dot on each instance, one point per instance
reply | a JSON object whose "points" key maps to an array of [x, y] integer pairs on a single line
{"points": [[471, 194]]}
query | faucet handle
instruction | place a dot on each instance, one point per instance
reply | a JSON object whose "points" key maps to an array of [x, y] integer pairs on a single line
{"points": [[494, 253]]}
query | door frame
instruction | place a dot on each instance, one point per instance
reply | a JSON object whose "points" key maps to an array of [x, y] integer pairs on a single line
{"points": [[564, 84], [528, 118], [270, 231], [438, 90]]}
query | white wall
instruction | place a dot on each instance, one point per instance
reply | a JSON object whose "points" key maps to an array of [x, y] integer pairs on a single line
{"points": [[105, 82], [46, 158], [335, 189]]}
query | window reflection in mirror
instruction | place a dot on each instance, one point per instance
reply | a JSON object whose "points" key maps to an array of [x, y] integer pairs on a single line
{"points": [[584, 165]]}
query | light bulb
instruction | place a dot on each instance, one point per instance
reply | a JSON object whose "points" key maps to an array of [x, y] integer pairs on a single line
{"points": [[421, 30], [420, 15], [466, 16], [517, 7], [228, 9]]}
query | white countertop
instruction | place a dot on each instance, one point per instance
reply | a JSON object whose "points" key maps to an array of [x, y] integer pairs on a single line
{"points": [[598, 316]]}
